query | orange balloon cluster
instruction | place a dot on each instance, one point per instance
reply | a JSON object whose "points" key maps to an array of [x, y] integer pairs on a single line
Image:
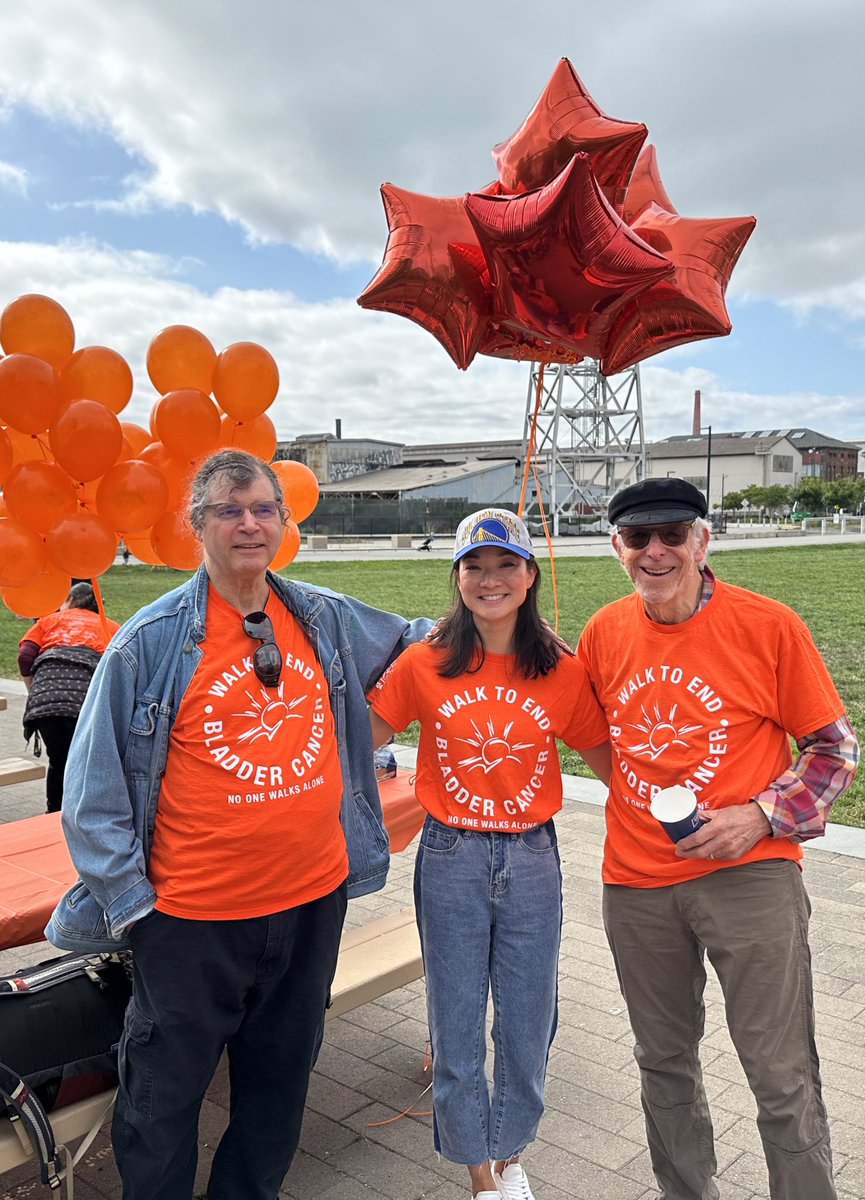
{"points": [[76, 478], [574, 250]]}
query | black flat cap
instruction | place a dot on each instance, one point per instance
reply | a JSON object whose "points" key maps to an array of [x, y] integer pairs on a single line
{"points": [[656, 501]]}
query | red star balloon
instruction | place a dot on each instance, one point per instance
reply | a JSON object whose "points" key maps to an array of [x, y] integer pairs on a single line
{"points": [[562, 263], [689, 304], [503, 341], [564, 122], [645, 187], [422, 277]]}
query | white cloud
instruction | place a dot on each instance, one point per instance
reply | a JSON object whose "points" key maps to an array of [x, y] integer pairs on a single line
{"points": [[13, 179], [381, 376], [286, 118]]}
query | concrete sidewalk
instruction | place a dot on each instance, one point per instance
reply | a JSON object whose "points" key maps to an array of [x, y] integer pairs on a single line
{"points": [[591, 1143]]}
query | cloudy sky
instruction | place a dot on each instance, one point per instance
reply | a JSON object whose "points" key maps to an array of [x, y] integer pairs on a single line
{"points": [[218, 164]]}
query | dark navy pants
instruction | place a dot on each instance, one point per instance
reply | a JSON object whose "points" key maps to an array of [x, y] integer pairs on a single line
{"points": [[256, 987]]}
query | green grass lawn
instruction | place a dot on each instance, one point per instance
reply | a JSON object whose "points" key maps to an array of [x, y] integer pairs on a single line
{"points": [[822, 583]]}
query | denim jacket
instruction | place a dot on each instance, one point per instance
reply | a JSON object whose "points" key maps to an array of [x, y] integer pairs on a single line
{"points": [[118, 755]]}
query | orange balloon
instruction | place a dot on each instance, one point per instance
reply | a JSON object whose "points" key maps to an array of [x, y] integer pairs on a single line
{"points": [[151, 422], [7, 455], [187, 423], [288, 547], [131, 496], [86, 439], [246, 380], [29, 447], [35, 324], [29, 393], [85, 493], [97, 373], [38, 494], [22, 553], [177, 474], [141, 546], [42, 595], [81, 545], [137, 436], [181, 357], [175, 543], [257, 436], [300, 487]]}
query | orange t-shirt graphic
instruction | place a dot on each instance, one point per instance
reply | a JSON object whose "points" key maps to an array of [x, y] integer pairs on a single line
{"points": [[707, 703], [248, 816], [487, 757], [72, 627]]}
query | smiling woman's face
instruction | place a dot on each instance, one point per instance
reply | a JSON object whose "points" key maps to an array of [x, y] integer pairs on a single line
{"points": [[494, 583]]}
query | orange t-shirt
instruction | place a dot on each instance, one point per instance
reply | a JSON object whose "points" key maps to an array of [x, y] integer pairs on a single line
{"points": [[71, 627], [707, 703], [487, 757], [248, 816]]}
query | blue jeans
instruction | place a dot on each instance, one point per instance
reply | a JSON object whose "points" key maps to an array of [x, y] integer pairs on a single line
{"points": [[489, 910], [257, 987]]}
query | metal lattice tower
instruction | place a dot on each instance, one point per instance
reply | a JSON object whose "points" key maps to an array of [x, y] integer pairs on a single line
{"points": [[588, 439]]}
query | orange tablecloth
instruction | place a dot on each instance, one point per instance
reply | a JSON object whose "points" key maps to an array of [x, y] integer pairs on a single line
{"points": [[35, 868]]}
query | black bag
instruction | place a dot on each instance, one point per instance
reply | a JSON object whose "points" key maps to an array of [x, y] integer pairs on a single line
{"points": [[60, 1025]]}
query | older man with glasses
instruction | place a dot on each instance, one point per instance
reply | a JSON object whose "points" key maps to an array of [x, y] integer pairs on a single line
{"points": [[221, 805], [703, 685]]}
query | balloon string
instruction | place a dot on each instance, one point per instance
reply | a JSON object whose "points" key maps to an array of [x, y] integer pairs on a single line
{"points": [[530, 449], [549, 540], [531, 461], [97, 592]]}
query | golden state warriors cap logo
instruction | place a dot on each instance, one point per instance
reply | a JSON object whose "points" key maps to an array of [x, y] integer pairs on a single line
{"points": [[493, 527]]}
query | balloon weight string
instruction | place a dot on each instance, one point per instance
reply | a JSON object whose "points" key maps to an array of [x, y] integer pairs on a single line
{"points": [[530, 449], [549, 540], [411, 1111], [97, 592], [532, 462]]}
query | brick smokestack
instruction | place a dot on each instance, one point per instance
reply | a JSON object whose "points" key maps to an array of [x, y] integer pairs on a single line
{"points": [[698, 416], [338, 427]]}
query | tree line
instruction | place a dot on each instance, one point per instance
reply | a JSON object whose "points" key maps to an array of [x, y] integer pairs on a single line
{"points": [[811, 497]]}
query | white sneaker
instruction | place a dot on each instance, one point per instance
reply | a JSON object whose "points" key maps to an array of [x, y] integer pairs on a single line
{"points": [[513, 1183], [496, 1195]]}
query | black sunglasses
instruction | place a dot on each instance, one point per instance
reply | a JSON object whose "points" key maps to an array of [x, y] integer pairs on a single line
{"points": [[267, 658], [637, 537]]}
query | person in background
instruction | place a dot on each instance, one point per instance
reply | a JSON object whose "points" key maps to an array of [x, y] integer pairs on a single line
{"points": [[493, 687], [56, 659], [703, 684], [221, 807]]}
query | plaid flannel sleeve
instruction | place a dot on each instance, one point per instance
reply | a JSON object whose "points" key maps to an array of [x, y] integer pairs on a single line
{"points": [[797, 803]]}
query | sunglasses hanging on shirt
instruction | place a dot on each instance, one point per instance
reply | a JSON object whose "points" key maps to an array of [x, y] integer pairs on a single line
{"points": [[266, 658]]}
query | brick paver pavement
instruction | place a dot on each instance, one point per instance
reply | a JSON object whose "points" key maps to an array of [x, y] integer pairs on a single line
{"points": [[591, 1143]]}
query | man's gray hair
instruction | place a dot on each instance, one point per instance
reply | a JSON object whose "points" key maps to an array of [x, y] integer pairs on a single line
{"points": [[241, 469]]}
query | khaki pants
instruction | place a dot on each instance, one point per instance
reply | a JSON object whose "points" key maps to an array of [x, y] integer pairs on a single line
{"points": [[752, 921]]}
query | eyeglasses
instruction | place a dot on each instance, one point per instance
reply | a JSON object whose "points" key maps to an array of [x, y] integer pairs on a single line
{"points": [[637, 537], [267, 658], [264, 510]]}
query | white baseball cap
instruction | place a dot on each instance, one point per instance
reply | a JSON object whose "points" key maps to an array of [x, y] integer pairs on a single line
{"points": [[493, 527]]}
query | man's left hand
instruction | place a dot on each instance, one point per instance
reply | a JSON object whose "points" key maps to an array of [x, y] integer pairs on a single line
{"points": [[727, 833]]}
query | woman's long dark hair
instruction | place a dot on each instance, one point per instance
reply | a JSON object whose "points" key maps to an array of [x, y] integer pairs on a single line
{"points": [[537, 647]]}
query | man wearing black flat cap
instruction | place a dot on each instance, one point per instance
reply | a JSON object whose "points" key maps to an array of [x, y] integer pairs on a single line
{"points": [[703, 685]]}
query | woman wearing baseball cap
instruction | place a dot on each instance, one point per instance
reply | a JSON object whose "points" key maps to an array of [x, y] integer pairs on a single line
{"points": [[493, 687]]}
